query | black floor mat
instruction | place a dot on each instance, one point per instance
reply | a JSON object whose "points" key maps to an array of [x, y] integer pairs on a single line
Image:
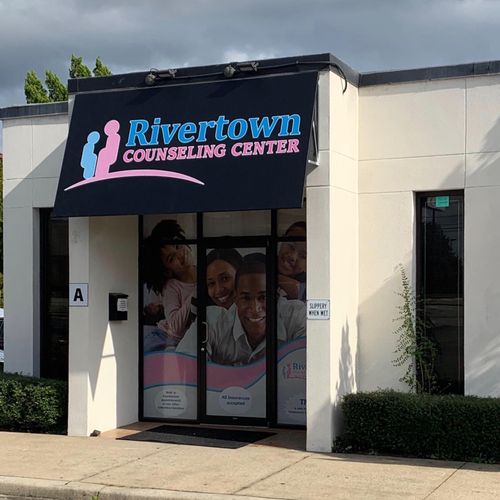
{"points": [[200, 436]]}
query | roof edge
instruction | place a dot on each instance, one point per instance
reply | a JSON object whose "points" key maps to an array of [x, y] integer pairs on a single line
{"points": [[429, 73], [28, 110], [266, 67], [216, 72]]}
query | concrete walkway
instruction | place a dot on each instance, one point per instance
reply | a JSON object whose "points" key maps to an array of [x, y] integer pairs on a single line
{"points": [[43, 466]]}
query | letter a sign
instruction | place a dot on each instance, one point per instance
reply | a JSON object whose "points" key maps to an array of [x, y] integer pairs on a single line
{"points": [[79, 294]]}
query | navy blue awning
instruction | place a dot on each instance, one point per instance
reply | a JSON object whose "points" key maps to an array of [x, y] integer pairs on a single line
{"points": [[226, 145]]}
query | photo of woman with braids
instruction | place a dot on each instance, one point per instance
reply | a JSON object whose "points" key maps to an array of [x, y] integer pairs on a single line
{"points": [[169, 271]]}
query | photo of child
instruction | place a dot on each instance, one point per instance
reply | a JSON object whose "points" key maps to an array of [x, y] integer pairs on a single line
{"points": [[169, 272]]}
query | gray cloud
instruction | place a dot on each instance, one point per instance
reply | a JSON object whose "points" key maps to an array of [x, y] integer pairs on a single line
{"points": [[128, 35]]}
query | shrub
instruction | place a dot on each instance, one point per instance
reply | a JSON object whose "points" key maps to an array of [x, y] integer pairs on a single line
{"points": [[448, 427], [415, 350], [33, 404]]}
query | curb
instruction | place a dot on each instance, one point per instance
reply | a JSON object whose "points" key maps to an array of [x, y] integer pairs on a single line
{"points": [[16, 488]]}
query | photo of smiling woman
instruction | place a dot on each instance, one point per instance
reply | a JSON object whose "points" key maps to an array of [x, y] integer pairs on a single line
{"points": [[222, 265]]}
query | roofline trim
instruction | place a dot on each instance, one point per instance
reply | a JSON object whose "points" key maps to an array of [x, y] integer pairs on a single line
{"points": [[430, 73], [32, 110], [266, 67], [216, 73]]}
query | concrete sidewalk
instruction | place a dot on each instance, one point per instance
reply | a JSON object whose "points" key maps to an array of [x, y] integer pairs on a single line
{"points": [[44, 466]]}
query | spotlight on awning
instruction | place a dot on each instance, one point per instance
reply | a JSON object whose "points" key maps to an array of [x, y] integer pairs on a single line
{"points": [[154, 76], [245, 67]]}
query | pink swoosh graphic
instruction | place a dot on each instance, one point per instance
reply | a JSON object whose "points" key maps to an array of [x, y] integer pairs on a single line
{"points": [[170, 368], [219, 377], [137, 173], [291, 346]]}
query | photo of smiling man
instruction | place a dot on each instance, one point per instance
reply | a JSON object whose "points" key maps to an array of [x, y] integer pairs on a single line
{"points": [[237, 336]]}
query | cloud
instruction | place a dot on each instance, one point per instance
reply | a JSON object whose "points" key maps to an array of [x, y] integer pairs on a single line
{"points": [[128, 35]]}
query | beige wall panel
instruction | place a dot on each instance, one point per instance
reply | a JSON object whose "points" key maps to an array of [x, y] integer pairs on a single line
{"points": [[17, 148], [49, 141], [483, 169], [483, 116], [44, 192], [18, 193], [344, 172], [482, 292], [79, 319], [344, 118], [412, 119], [427, 173], [344, 299], [319, 175], [113, 351], [319, 333], [386, 230]]}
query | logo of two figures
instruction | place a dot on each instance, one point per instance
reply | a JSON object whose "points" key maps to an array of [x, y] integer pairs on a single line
{"points": [[97, 164]]}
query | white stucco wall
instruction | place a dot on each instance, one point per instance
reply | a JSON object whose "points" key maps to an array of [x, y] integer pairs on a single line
{"points": [[103, 355], [332, 252], [33, 152], [428, 136], [482, 237], [411, 138], [103, 252], [378, 146]]}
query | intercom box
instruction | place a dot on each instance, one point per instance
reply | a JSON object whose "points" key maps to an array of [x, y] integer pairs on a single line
{"points": [[118, 307]]}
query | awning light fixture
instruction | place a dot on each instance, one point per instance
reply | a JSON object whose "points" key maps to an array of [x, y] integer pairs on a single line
{"points": [[245, 67], [154, 76]]}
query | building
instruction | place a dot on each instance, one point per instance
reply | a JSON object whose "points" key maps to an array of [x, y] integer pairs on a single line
{"points": [[187, 287]]}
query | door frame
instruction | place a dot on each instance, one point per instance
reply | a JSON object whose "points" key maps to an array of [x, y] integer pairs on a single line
{"points": [[238, 242], [272, 387]]}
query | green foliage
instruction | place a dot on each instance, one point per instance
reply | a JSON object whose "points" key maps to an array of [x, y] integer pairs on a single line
{"points": [[57, 90], [101, 69], [33, 404], [34, 90], [447, 427], [78, 69], [415, 350]]}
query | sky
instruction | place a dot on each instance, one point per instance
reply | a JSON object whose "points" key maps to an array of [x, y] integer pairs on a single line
{"points": [[132, 35]]}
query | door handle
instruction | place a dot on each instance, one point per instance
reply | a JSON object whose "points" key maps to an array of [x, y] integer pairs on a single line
{"points": [[205, 339]]}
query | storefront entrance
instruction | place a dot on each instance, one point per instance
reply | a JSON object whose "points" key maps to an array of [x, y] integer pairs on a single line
{"points": [[234, 341], [223, 330]]}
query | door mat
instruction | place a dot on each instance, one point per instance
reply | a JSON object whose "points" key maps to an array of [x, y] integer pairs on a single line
{"points": [[200, 436]]}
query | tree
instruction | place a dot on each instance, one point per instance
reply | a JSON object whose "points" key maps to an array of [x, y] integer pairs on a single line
{"points": [[34, 89], [78, 69], [101, 69], [55, 90]]}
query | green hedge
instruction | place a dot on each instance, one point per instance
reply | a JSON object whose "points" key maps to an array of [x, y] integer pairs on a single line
{"points": [[421, 425], [33, 404]]}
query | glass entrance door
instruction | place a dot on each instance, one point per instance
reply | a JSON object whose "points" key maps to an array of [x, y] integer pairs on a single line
{"points": [[223, 318], [235, 332]]}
